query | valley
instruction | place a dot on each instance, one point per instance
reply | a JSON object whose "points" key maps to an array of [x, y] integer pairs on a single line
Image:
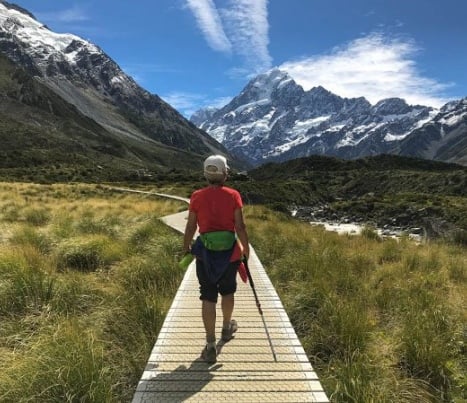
{"points": [[88, 273]]}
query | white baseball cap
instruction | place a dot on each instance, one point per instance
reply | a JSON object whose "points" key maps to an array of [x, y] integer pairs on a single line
{"points": [[215, 165]]}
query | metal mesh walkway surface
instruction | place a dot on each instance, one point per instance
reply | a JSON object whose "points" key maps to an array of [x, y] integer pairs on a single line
{"points": [[260, 364]]}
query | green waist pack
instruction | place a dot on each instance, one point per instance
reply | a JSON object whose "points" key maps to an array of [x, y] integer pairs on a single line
{"points": [[218, 240]]}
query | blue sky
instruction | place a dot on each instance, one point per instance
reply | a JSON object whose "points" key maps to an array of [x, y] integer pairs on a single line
{"points": [[197, 53]]}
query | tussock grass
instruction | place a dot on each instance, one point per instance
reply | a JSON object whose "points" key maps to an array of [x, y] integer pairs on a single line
{"points": [[88, 253], [86, 278], [381, 320], [25, 286], [65, 363], [26, 235], [85, 286], [36, 216]]}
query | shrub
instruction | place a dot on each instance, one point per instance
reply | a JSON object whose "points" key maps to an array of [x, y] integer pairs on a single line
{"points": [[459, 237], [26, 235], [89, 253], [65, 365], [25, 286], [370, 232], [37, 216], [427, 348]]}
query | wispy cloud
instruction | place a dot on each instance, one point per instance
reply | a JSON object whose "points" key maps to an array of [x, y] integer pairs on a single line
{"points": [[241, 27], [375, 67], [246, 23], [209, 22], [73, 14], [188, 103], [76, 19]]}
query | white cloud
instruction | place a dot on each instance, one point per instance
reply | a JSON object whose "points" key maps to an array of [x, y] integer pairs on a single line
{"points": [[374, 67], [246, 23], [240, 28], [209, 22], [73, 14]]}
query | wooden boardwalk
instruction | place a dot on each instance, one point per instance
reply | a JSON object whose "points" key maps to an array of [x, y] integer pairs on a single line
{"points": [[246, 369]]}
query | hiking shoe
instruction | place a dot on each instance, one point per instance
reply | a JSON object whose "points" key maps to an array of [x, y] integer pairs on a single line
{"points": [[227, 334], [209, 354]]}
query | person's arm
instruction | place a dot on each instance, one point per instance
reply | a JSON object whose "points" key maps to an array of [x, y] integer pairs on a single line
{"points": [[190, 229], [240, 229]]}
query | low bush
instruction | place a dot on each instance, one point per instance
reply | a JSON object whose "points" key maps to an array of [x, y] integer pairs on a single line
{"points": [[36, 216], [25, 287], [27, 235], [88, 253]]}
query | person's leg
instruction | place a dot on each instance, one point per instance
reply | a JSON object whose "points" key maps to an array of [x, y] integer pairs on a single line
{"points": [[227, 288], [208, 296], [208, 313], [227, 304], [209, 353], [209, 320]]}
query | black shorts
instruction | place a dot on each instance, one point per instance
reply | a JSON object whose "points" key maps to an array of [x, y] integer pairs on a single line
{"points": [[226, 285]]}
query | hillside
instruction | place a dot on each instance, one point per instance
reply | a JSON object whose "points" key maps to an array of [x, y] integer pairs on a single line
{"points": [[65, 102], [42, 134], [386, 191]]}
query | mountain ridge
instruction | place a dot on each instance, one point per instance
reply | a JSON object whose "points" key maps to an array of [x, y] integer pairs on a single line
{"points": [[274, 119], [82, 75]]}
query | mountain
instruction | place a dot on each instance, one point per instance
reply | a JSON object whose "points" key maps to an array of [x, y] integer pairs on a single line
{"points": [[391, 192], [274, 119], [64, 94], [444, 138]]}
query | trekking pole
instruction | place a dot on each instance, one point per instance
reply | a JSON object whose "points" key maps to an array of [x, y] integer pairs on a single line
{"points": [[259, 307]]}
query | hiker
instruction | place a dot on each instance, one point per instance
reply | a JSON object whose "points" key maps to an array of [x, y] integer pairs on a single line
{"points": [[216, 210]]}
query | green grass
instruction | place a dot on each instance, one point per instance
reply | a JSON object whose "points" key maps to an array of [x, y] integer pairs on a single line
{"points": [[380, 320], [86, 278], [86, 284]]}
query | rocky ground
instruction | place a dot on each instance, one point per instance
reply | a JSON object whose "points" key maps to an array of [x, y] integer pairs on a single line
{"points": [[416, 224]]}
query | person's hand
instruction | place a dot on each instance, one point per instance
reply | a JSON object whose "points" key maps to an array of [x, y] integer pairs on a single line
{"points": [[186, 248]]}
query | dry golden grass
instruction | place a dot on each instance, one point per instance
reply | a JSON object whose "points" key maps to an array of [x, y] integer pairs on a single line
{"points": [[381, 320], [86, 277]]}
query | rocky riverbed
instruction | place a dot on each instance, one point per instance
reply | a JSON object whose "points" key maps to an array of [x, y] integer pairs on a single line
{"points": [[418, 224]]}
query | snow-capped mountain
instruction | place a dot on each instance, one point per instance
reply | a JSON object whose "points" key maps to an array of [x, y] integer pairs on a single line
{"points": [[81, 74], [443, 138], [273, 118]]}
